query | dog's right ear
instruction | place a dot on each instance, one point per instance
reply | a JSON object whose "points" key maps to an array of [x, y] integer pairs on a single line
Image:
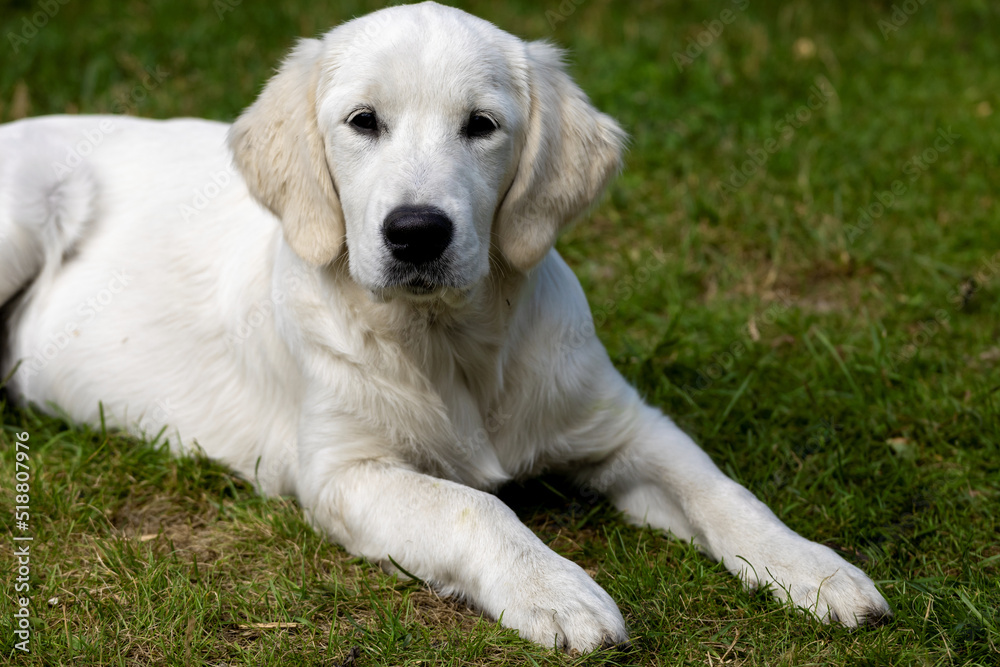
{"points": [[571, 150], [277, 147]]}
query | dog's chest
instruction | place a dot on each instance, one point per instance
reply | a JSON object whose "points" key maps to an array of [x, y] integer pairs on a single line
{"points": [[467, 376]]}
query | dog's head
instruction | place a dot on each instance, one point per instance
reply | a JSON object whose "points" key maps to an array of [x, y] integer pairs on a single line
{"points": [[420, 136]]}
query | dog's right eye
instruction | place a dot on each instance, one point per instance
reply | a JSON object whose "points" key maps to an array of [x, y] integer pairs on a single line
{"points": [[480, 125], [364, 121]]}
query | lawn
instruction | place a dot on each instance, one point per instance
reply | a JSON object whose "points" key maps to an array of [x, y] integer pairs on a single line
{"points": [[800, 262]]}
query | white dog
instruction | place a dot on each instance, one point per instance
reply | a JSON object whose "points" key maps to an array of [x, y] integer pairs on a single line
{"points": [[357, 302]]}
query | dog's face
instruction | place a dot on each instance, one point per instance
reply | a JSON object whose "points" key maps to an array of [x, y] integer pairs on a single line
{"points": [[421, 119], [420, 136]]}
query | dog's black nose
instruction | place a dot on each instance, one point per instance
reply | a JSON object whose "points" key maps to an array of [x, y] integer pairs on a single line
{"points": [[417, 234]]}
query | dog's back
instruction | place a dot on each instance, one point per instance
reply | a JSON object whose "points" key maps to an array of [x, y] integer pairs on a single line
{"points": [[129, 250], [45, 204]]}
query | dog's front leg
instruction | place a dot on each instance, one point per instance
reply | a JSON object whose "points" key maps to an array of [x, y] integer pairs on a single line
{"points": [[461, 541], [660, 477]]}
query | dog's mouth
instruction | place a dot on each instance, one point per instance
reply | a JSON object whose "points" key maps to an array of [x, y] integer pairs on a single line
{"points": [[422, 290], [421, 286], [420, 281]]}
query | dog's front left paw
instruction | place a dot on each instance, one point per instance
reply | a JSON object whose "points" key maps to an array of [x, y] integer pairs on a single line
{"points": [[815, 578], [561, 605]]}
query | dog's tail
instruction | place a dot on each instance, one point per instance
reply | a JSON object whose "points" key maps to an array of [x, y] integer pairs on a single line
{"points": [[45, 205]]}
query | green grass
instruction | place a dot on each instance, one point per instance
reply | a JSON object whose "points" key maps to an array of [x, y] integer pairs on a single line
{"points": [[849, 377]]}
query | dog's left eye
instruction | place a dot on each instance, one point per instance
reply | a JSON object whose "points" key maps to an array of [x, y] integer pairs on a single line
{"points": [[364, 121], [480, 126]]}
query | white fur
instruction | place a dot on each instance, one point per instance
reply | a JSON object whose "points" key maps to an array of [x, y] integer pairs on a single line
{"points": [[148, 277]]}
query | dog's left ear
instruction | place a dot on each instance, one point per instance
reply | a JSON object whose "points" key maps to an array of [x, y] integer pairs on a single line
{"points": [[571, 151], [277, 147]]}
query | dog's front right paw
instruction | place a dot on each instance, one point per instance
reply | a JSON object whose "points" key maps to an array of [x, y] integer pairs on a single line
{"points": [[813, 577], [561, 606]]}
